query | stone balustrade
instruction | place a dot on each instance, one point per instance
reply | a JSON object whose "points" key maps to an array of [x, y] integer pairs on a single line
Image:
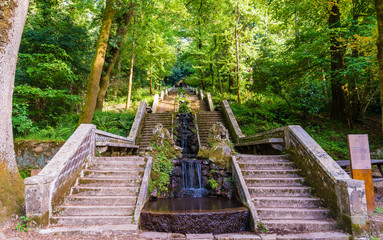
{"points": [[47, 189]]}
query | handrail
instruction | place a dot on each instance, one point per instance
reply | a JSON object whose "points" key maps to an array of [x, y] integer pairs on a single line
{"points": [[102, 136], [144, 189], [235, 130], [47, 189], [343, 195], [243, 191], [134, 130], [209, 102]]}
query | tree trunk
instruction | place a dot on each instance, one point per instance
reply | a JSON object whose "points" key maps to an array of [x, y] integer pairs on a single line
{"points": [[151, 78], [340, 109], [131, 69], [212, 75], [118, 79], [237, 54], [98, 61], [379, 43], [115, 52], [12, 22]]}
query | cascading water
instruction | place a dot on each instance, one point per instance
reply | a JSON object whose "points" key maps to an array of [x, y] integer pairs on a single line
{"points": [[191, 168], [191, 208], [191, 178]]}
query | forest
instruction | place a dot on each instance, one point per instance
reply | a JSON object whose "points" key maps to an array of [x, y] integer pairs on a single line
{"points": [[312, 63]]}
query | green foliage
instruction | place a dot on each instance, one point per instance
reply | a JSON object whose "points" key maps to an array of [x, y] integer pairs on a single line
{"points": [[213, 183], [379, 210], [261, 227], [162, 167], [26, 172], [22, 226], [114, 122], [182, 102], [20, 119]]}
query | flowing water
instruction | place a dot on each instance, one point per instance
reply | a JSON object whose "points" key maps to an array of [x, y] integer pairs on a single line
{"points": [[193, 213]]}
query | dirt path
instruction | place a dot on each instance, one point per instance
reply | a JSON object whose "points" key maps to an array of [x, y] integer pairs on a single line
{"points": [[196, 103], [167, 105]]}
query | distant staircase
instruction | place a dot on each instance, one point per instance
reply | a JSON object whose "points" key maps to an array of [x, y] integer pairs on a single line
{"points": [[149, 122], [105, 194], [205, 120], [283, 203]]}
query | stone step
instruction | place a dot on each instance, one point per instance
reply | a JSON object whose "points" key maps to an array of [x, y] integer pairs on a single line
{"points": [[124, 174], [279, 191], [154, 121], [270, 173], [118, 159], [101, 200], [267, 165], [252, 157], [95, 210], [293, 213], [107, 182], [315, 236], [264, 182], [90, 220], [291, 202], [300, 225], [105, 191], [120, 165], [92, 230]]}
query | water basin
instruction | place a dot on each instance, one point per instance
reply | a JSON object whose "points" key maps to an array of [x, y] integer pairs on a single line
{"points": [[195, 215]]}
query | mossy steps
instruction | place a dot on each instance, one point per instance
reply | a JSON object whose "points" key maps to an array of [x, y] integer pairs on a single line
{"points": [[103, 197], [283, 203]]}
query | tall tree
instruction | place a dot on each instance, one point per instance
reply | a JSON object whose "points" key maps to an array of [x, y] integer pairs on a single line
{"points": [[12, 22], [131, 68], [114, 53], [340, 109], [379, 43], [97, 64]]}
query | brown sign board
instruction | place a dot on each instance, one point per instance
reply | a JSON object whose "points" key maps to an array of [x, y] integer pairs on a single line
{"points": [[361, 165], [359, 151]]}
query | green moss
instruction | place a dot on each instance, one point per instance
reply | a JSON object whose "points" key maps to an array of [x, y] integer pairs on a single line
{"points": [[163, 151], [39, 221], [7, 9]]}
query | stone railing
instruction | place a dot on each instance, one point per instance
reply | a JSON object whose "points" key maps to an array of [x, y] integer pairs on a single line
{"points": [[343, 195], [47, 189], [158, 98], [209, 102], [234, 128], [144, 190], [201, 94], [135, 129], [274, 133], [155, 102], [243, 192], [106, 137]]}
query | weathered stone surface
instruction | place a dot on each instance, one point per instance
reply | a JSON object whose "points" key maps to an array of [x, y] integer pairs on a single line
{"points": [[343, 195], [137, 121], [37, 154], [45, 190], [233, 124]]}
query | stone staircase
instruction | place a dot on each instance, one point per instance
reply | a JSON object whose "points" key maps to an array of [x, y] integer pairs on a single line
{"points": [[105, 194], [283, 203], [205, 120], [149, 122]]}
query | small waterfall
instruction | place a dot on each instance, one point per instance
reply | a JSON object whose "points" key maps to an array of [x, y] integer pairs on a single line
{"points": [[191, 177]]}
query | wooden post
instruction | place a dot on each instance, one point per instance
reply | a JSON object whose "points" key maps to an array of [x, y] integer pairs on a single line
{"points": [[361, 165]]}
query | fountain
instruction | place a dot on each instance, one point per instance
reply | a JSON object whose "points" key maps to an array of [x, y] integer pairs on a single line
{"points": [[193, 206]]}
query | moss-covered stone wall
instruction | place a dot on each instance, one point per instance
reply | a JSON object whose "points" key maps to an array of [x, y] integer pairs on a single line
{"points": [[35, 153]]}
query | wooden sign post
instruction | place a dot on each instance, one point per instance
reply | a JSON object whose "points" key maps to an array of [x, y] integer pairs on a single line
{"points": [[361, 165]]}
